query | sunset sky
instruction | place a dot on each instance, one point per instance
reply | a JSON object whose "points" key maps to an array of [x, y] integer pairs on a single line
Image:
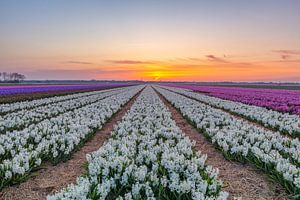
{"points": [[213, 40]]}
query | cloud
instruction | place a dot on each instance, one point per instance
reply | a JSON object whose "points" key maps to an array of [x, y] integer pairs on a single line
{"points": [[209, 58], [284, 61], [287, 52], [222, 63], [103, 72], [78, 62], [283, 56], [61, 74], [130, 62], [195, 59], [214, 58]]}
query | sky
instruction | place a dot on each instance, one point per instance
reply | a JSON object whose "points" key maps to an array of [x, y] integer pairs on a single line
{"points": [[161, 40]]}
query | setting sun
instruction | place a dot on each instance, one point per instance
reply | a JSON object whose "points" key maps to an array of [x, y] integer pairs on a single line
{"points": [[157, 76], [154, 75]]}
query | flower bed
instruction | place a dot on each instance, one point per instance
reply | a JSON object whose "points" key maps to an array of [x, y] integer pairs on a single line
{"points": [[13, 107], [26, 89], [23, 118], [276, 99], [283, 122], [56, 138], [277, 155], [147, 157]]}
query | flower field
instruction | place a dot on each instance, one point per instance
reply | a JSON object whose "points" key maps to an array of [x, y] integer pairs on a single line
{"points": [[23, 118], [147, 155], [276, 99], [242, 141], [54, 138], [11, 107], [283, 122], [26, 89]]}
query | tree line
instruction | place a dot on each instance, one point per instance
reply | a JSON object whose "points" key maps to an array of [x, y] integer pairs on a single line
{"points": [[11, 77]]}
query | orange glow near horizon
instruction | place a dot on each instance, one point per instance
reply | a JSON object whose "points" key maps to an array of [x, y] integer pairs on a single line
{"points": [[211, 68], [204, 70]]}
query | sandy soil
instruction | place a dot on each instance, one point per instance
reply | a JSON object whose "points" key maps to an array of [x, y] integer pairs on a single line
{"points": [[51, 179], [240, 180]]}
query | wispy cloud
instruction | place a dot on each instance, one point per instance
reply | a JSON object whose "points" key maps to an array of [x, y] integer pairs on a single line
{"points": [[130, 62], [103, 72], [77, 62], [193, 59], [283, 61], [209, 58], [215, 58], [288, 52], [284, 56], [212, 60]]}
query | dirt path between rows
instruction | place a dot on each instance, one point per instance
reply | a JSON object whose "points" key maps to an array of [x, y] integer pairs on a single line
{"points": [[51, 179], [240, 180]]}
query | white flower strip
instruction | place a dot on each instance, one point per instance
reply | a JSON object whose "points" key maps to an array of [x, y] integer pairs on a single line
{"points": [[240, 140], [12, 142], [288, 147], [147, 157], [54, 139], [284, 122], [25, 117], [11, 107]]}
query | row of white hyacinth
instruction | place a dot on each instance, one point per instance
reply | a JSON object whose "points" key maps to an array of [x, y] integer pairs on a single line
{"points": [[283, 122], [12, 107], [147, 157], [288, 147], [23, 118], [56, 138], [243, 141]]}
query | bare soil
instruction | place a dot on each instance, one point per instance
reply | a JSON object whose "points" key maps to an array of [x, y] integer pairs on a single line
{"points": [[240, 180], [51, 179]]}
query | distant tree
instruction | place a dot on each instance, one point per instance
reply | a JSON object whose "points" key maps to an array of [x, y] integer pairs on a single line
{"points": [[21, 77], [11, 77], [15, 77], [4, 74]]}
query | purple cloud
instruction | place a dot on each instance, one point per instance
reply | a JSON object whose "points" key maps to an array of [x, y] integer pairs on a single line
{"points": [[215, 58], [287, 52], [129, 62], [78, 62], [284, 57]]}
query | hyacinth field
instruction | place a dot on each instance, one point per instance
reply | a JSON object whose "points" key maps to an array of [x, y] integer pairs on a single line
{"points": [[279, 100], [156, 136], [25, 89]]}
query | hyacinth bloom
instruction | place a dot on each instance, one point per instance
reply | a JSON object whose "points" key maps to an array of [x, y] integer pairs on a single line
{"points": [[24, 89], [276, 99]]}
